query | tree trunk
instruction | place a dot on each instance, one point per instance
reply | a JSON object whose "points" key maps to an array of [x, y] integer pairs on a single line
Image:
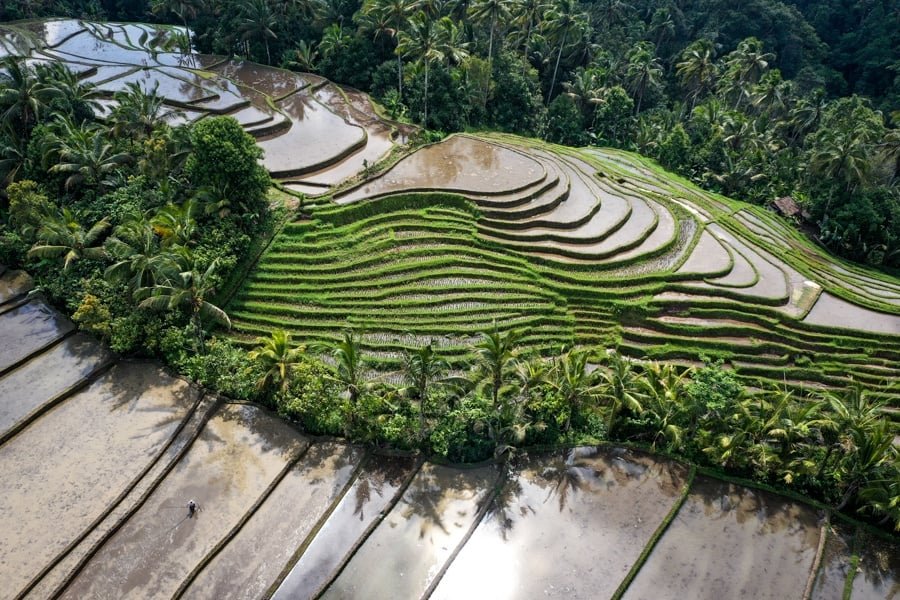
{"points": [[399, 78], [268, 55], [556, 68], [425, 120]]}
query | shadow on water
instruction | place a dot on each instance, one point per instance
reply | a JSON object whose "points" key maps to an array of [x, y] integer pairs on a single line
{"points": [[29, 328], [879, 569], [377, 484]]}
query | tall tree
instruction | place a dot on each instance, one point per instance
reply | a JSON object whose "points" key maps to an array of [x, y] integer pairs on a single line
{"points": [[644, 71], [561, 23], [622, 389], [697, 69], [189, 289], [422, 368], [259, 22], [139, 260], [23, 95], [422, 42], [86, 156], [495, 361], [572, 381], [395, 14]]}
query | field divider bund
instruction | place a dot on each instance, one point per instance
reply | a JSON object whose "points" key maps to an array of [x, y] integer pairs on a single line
{"points": [[245, 518], [142, 499], [657, 535], [323, 518], [37, 352], [54, 401], [817, 561], [479, 517], [336, 572]]}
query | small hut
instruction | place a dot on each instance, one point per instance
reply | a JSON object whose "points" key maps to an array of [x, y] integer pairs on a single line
{"points": [[789, 208]]}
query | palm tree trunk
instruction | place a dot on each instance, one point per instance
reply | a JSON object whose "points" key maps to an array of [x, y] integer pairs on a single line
{"points": [[425, 120], [268, 55], [556, 68], [399, 78]]}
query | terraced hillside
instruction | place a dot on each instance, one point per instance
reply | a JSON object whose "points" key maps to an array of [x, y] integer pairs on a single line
{"points": [[99, 458], [306, 125], [573, 247]]}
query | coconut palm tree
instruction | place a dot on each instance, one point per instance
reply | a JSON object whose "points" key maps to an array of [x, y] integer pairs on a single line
{"points": [[304, 57], [644, 71], [489, 12], [188, 289], [422, 43], [744, 67], [65, 237], [277, 359], [526, 15], [349, 364], [139, 259], [85, 155], [13, 155], [842, 156], [662, 25], [622, 388], [395, 15], [334, 40], [561, 23], [185, 10], [572, 381], [423, 368], [76, 98], [697, 69], [665, 401], [495, 362], [258, 22], [23, 95], [137, 113], [175, 224]]}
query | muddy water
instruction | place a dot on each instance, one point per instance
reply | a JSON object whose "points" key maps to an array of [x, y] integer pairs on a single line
{"points": [[832, 311], [731, 542], [25, 389], [835, 564], [316, 135], [567, 525], [238, 454], [27, 329], [13, 284], [403, 555], [372, 492], [64, 470], [170, 88], [708, 256], [268, 80], [287, 516], [879, 570], [460, 163]]}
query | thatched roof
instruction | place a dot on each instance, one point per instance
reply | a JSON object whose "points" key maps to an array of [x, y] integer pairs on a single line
{"points": [[787, 206]]}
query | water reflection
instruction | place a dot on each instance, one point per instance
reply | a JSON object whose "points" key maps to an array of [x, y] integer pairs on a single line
{"points": [[565, 524], [376, 486]]}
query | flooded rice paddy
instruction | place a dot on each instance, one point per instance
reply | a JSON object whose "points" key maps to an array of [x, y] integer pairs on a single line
{"points": [[302, 130], [96, 488]]}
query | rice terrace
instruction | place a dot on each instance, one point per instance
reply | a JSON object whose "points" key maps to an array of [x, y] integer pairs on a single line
{"points": [[560, 371]]}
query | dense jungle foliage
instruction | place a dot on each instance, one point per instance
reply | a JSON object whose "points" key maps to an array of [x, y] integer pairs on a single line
{"points": [[757, 99]]}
